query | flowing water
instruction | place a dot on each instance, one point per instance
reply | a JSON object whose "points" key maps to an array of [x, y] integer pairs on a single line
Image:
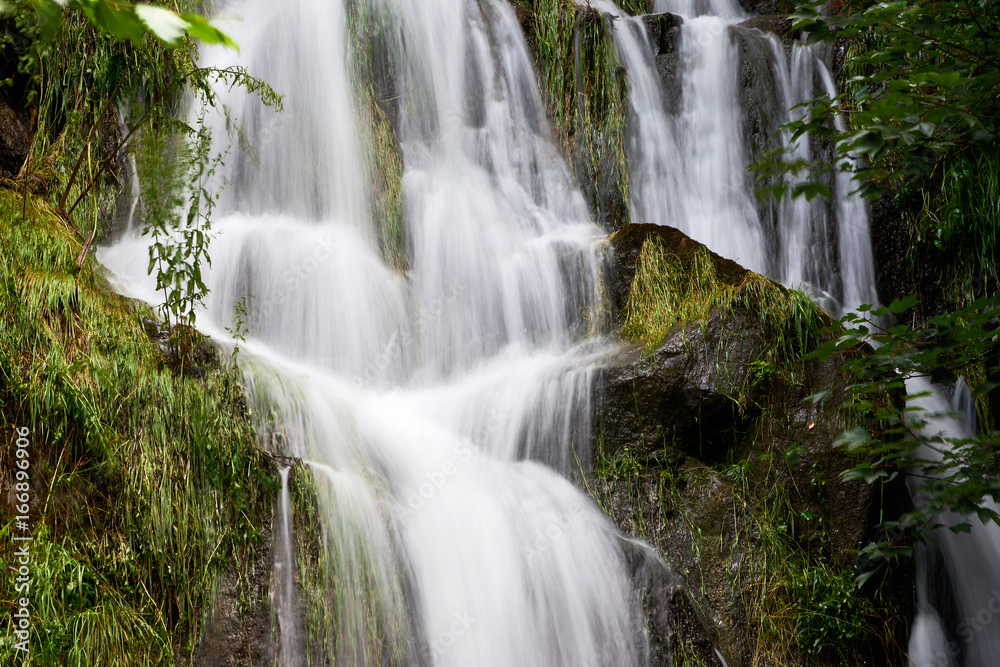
{"points": [[956, 624], [689, 167], [443, 413]]}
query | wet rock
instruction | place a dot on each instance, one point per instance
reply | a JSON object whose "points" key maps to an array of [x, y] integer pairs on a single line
{"points": [[679, 425], [15, 138], [683, 393], [238, 632], [663, 31], [676, 628], [626, 244], [637, 7], [684, 511], [768, 6], [778, 24], [891, 245], [16, 127], [186, 351]]}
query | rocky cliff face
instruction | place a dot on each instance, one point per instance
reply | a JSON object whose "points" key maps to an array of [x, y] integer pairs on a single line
{"points": [[708, 450]]}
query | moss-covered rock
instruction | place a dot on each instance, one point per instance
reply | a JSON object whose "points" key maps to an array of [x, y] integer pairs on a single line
{"points": [[586, 96], [708, 449]]}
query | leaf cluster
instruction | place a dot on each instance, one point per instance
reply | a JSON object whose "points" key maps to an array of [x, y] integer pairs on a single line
{"points": [[125, 20], [953, 470], [925, 86]]}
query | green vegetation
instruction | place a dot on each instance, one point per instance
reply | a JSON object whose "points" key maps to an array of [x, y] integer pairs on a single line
{"points": [[668, 290], [927, 83], [587, 99], [375, 91], [74, 70], [921, 102], [146, 483], [920, 99], [738, 533], [958, 472], [955, 229], [802, 605], [126, 21]]}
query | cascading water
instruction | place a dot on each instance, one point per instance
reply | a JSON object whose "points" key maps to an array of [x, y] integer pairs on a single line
{"points": [[284, 602], [972, 560], [689, 169], [440, 413]]}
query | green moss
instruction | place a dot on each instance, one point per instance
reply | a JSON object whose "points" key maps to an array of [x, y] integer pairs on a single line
{"points": [[587, 98], [669, 290], [146, 485], [373, 83], [385, 178]]}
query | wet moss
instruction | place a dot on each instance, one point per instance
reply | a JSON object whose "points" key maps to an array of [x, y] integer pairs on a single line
{"points": [[586, 95]]}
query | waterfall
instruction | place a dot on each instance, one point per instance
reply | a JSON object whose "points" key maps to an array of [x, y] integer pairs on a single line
{"points": [[284, 603], [971, 560], [441, 413], [689, 168]]}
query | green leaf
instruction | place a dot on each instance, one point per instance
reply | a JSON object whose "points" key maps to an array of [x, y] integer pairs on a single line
{"points": [[811, 190], [853, 438], [165, 25], [119, 19], [199, 28], [819, 396]]}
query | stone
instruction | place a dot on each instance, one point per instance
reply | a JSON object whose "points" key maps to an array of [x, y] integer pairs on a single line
{"points": [[681, 414], [15, 138]]}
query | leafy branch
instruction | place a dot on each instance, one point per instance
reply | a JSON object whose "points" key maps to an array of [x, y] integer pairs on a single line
{"points": [[929, 89], [957, 471]]}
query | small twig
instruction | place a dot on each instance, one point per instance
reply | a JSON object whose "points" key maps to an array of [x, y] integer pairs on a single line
{"points": [[52, 481]]}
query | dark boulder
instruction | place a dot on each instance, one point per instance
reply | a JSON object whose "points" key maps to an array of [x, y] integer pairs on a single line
{"points": [[699, 431], [15, 138], [683, 394]]}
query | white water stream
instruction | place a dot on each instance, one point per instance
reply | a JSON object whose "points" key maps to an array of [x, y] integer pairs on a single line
{"points": [[970, 635], [689, 169], [442, 413]]}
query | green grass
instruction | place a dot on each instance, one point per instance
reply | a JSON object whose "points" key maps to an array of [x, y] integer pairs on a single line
{"points": [[148, 484], [586, 95], [957, 231], [803, 608], [799, 606], [668, 291]]}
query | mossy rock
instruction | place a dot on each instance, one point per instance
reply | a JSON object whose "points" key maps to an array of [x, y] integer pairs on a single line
{"points": [[708, 450]]}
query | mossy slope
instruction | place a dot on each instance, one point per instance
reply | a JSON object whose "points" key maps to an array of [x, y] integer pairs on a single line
{"points": [[146, 486]]}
